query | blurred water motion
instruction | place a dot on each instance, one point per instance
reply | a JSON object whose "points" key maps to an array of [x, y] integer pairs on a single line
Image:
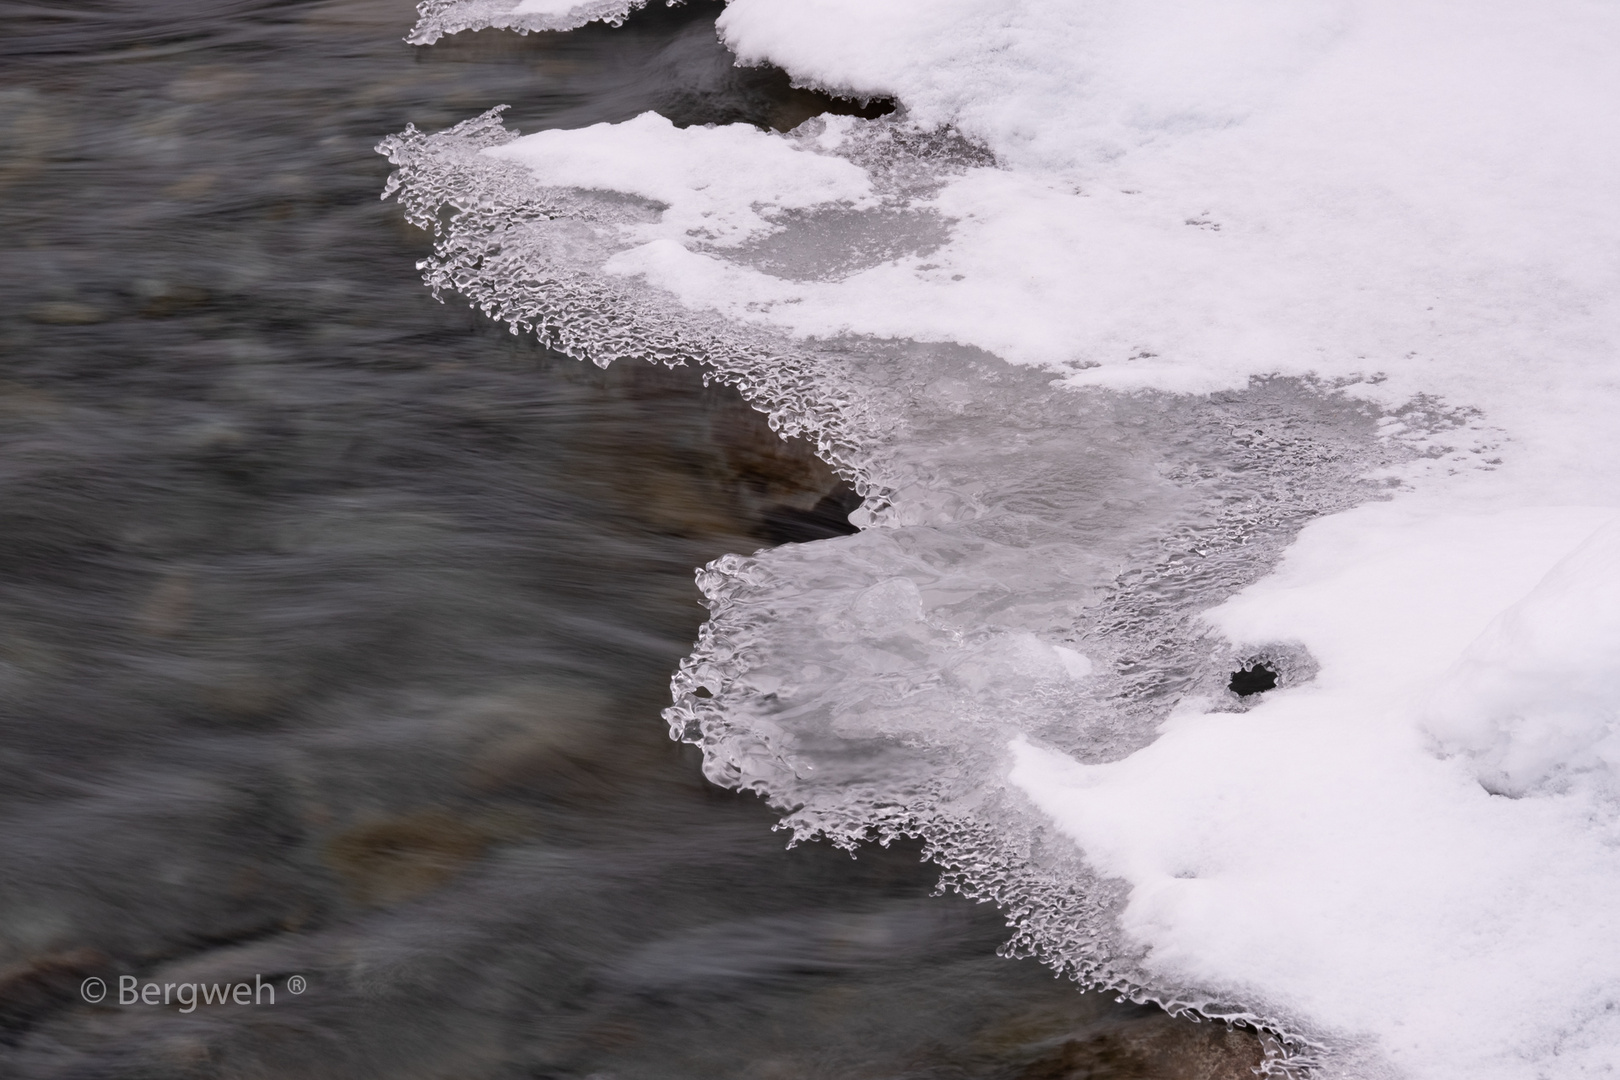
{"points": [[334, 623]]}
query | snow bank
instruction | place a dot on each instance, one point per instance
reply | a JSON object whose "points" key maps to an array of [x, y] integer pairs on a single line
{"points": [[1027, 316], [1317, 851], [1188, 193]]}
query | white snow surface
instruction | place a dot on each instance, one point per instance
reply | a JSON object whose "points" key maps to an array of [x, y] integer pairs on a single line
{"points": [[546, 7], [1187, 193], [1415, 852], [1536, 699], [713, 182], [1333, 848]]}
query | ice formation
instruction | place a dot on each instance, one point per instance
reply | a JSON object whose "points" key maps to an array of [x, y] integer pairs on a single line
{"points": [[441, 17], [1125, 325]]}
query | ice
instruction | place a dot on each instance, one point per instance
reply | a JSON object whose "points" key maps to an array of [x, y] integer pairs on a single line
{"points": [[436, 18], [1124, 325]]}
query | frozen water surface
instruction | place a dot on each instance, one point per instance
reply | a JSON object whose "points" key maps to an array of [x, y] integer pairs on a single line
{"points": [[1126, 324]]}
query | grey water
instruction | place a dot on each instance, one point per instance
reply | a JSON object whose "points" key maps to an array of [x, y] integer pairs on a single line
{"points": [[335, 622]]}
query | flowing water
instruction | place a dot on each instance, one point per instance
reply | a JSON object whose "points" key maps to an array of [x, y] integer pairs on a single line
{"points": [[335, 623]]}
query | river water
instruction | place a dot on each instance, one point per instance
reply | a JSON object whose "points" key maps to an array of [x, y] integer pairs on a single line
{"points": [[335, 622]]}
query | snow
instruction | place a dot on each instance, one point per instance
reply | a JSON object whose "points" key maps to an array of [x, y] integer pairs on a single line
{"points": [[546, 7], [1535, 699], [713, 182], [1323, 850], [1414, 854]]}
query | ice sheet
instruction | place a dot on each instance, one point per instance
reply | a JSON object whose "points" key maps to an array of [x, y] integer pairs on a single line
{"points": [[1027, 316]]}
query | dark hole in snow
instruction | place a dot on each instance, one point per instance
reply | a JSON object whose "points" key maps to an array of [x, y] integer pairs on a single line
{"points": [[1252, 680]]}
